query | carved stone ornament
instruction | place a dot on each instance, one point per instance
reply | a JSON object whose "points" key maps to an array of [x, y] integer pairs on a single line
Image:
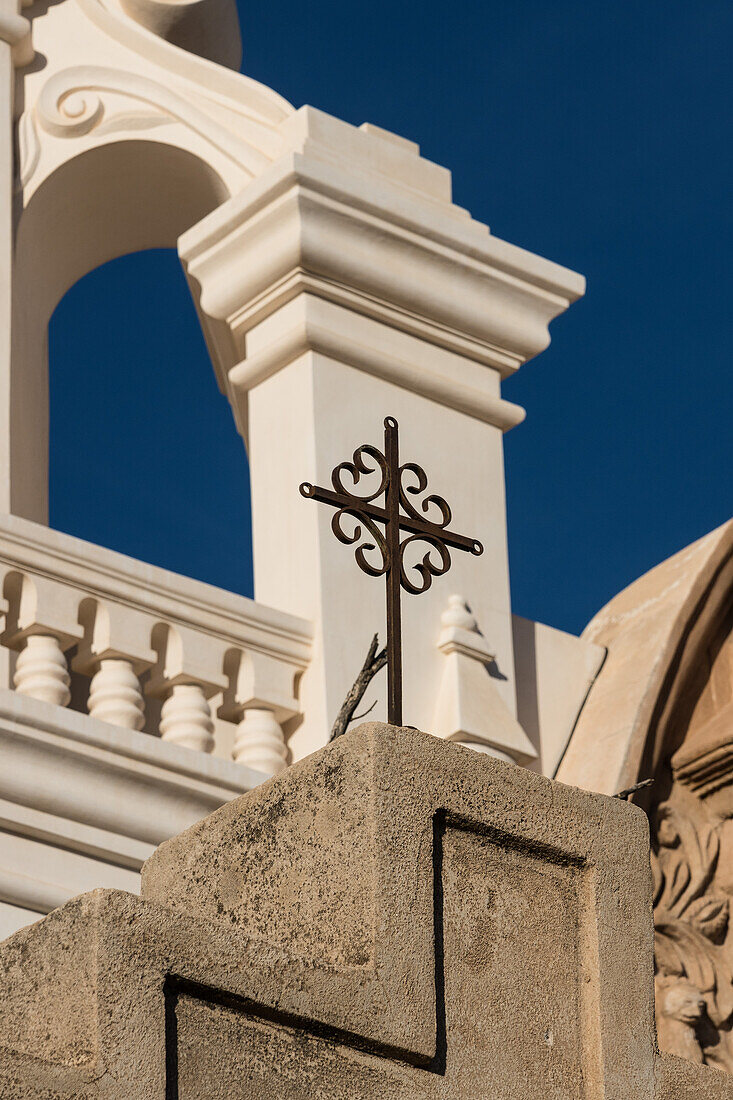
{"points": [[140, 67], [694, 977], [72, 103], [662, 708]]}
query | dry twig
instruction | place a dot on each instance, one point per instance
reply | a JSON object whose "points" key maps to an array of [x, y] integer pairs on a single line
{"points": [[626, 794], [372, 665]]}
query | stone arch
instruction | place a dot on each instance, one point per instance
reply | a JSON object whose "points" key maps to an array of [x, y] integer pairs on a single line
{"points": [[125, 140], [109, 201]]}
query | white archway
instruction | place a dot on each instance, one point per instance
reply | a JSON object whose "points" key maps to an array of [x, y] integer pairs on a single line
{"points": [[107, 202], [125, 140]]}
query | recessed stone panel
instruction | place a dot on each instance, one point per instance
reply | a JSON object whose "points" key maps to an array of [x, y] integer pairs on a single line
{"points": [[510, 1008]]}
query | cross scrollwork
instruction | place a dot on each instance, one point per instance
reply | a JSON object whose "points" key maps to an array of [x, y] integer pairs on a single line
{"points": [[375, 531]]}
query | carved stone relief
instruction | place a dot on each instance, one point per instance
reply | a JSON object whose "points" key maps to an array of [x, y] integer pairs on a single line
{"points": [[692, 864]]}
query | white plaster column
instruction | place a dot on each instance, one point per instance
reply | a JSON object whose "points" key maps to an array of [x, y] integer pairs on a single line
{"points": [[341, 287]]}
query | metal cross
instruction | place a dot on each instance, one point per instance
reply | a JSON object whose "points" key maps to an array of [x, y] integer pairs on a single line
{"points": [[396, 514]]}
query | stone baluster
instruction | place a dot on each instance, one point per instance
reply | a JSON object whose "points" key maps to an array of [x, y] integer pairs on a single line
{"points": [[115, 695], [260, 742], [114, 652], [185, 718], [259, 698], [40, 625], [187, 674], [41, 671]]}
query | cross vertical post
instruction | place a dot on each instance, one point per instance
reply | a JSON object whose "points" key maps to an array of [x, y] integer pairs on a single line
{"points": [[428, 525], [394, 609]]}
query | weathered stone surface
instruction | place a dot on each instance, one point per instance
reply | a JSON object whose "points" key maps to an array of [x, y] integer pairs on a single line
{"points": [[662, 709], [394, 916], [651, 630], [678, 1079]]}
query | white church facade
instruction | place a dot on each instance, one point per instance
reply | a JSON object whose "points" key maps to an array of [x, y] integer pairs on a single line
{"points": [[336, 284]]}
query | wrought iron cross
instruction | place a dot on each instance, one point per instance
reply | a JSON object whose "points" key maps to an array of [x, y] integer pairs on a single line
{"points": [[397, 514]]}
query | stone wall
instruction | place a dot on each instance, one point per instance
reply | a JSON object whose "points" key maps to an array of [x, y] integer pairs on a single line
{"points": [[395, 916]]}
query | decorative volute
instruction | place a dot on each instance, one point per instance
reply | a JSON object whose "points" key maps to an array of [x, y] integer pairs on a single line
{"points": [[108, 80], [469, 709]]}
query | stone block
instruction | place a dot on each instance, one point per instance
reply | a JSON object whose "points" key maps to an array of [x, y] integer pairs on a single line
{"points": [[394, 916]]}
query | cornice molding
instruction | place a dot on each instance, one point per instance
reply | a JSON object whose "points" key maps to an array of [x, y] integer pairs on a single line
{"points": [[110, 575], [160, 788], [385, 252], [308, 335]]}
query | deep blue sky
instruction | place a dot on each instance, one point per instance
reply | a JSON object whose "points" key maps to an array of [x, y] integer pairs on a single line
{"points": [[594, 133]]}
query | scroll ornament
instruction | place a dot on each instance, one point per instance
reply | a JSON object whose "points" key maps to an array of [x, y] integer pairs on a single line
{"points": [[694, 979], [84, 98]]}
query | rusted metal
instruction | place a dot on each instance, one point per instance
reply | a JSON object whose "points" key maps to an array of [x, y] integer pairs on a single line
{"points": [[397, 514]]}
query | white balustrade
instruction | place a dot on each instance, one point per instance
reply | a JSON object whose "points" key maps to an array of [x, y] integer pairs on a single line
{"points": [[132, 630], [259, 697]]}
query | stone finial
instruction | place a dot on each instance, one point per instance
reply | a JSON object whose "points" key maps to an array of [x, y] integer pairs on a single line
{"points": [[458, 614], [469, 708]]}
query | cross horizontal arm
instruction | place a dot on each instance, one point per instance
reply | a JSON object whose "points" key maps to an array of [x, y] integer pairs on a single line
{"points": [[407, 523]]}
